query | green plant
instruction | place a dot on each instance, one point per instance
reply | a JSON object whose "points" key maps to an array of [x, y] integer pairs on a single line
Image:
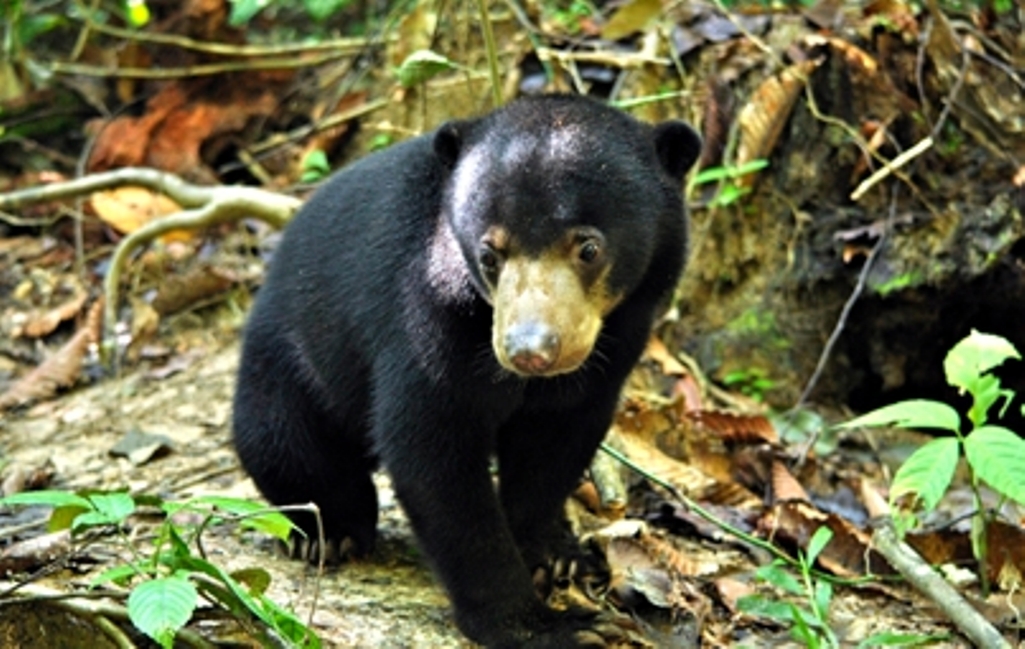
{"points": [[315, 166], [753, 382], [170, 577], [730, 191], [569, 15], [242, 11], [994, 455], [810, 624]]}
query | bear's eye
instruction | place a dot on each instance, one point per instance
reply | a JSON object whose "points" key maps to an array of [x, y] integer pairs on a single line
{"points": [[589, 252], [489, 261]]}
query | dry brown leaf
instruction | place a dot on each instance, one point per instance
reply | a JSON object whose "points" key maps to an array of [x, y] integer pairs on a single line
{"points": [[181, 291], [40, 323], [762, 118], [126, 209], [731, 589], [667, 362], [60, 370], [849, 553], [645, 550], [643, 563], [744, 429], [785, 486]]}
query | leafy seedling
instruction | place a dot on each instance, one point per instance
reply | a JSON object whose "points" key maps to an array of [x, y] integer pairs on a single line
{"points": [[172, 578], [994, 455]]}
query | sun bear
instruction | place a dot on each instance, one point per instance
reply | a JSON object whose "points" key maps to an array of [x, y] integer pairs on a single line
{"points": [[478, 293]]}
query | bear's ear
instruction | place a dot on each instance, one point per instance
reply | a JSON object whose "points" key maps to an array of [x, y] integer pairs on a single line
{"points": [[678, 147], [448, 141]]}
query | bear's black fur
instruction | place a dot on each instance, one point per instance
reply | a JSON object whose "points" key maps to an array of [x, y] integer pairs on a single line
{"points": [[481, 291]]}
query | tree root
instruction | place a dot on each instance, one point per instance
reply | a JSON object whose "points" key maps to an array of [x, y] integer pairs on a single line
{"points": [[203, 207]]}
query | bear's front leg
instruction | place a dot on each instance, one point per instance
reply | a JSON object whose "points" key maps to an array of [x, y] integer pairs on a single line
{"points": [[542, 455], [436, 448]]}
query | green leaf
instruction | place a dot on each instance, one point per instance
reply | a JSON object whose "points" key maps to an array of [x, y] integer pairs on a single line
{"points": [[159, 608], [803, 623], [63, 518], [974, 356], [728, 196], [823, 595], [777, 575], [715, 174], [108, 509], [819, 540], [51, 498], [985, 390], [927, 473], [891, 639], [315, 166], [120, 575], [997, 457], [762, 607], [711, 175], [117, 506], [31, 26], [321, 10], [242, 11], [257, 580], [421, 66], [914, 413], [263, 608], [256, 516]]}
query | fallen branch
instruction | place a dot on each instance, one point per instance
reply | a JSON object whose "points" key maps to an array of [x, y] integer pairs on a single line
{"points": [[97, 608], [205, 206], [928, 582]]}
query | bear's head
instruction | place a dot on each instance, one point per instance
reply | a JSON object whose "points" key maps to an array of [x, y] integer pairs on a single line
{"points": [[561, 206]]}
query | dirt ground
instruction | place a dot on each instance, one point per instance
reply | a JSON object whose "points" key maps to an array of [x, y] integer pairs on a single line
{"points": [[390, 600]]}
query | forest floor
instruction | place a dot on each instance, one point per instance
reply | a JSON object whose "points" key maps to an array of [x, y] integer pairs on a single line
{"points": [[891, 81], [388, 600]]}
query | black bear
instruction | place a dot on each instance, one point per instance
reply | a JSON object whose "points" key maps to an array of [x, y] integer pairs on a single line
{"points": [[478, 292]]}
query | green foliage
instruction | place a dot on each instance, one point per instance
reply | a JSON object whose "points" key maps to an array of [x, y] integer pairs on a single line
{"points": [[753, 382], [568, 16], [902, 281], [421, 66], [994, 454], [315, 166], [380, 141], [171, 577], [242, 11], [808, 624], [161, 606], [727, 176]]}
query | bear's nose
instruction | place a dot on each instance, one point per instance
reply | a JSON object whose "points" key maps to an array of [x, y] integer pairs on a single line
{"points": [[532, 347]]}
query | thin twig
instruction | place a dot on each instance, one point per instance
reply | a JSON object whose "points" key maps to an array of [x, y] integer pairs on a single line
{"points": [[337, 45], [891, 167], [200, 70], [841, 323]]}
